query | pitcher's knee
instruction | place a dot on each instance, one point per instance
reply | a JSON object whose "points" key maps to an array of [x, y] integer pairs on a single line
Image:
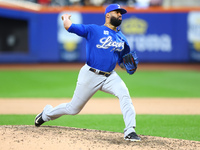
{"points": [[124, 97], [72, 110]]}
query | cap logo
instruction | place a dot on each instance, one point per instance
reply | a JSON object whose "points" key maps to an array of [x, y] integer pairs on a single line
{"points": [[118, 6]]}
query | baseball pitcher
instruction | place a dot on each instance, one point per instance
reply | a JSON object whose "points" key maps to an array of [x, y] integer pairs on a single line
{"points": [[105, 46]]}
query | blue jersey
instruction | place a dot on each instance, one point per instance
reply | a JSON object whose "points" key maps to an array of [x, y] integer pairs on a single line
{"points": [[104, 46]]}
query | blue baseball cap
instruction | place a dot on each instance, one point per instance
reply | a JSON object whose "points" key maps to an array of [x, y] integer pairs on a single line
{"points": [[113, 7]]}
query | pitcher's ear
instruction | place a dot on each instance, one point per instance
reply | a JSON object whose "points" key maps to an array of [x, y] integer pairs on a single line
{"points": [[107, 15]]}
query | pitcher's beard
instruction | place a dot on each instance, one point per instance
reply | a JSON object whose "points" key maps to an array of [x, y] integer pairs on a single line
{"points": [[115, 21]]}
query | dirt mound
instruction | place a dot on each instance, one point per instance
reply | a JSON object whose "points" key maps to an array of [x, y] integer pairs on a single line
{"points": [[51, 138]]}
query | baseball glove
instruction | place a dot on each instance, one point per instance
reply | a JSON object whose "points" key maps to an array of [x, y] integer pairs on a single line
{"points": [[130, 62]]}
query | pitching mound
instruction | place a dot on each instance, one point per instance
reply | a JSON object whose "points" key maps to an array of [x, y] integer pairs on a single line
{"points": [[59, 138]]}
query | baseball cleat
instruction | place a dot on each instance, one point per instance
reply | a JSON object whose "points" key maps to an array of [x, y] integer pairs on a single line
{"points": [[132, 137], [38, 120]]}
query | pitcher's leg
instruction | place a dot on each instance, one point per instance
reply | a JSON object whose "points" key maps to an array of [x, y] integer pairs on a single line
{"points": [[88, 83], [129, 115], [80, 98], [114, 85]]}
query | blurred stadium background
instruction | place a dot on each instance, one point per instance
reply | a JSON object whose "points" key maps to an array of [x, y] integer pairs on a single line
{"points": [[161, 31]]}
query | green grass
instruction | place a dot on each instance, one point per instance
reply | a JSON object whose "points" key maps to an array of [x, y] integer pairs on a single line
{"points": [[61, 84], [37, 83], [172, 126]]}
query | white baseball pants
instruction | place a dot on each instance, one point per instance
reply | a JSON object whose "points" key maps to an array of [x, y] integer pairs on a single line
{"points": [[87, 85]]}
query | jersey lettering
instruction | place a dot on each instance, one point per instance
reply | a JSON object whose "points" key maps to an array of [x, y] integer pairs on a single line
{"points": [[107, 42]]}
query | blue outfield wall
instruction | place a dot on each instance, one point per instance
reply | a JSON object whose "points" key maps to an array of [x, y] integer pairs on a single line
{"points": [[156, 37]]}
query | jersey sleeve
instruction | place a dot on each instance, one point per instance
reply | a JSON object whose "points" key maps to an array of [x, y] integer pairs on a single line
{"points": [[78, 29]]}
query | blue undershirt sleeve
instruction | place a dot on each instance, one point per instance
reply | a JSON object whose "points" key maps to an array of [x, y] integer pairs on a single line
{"points": [[122, 53]]}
